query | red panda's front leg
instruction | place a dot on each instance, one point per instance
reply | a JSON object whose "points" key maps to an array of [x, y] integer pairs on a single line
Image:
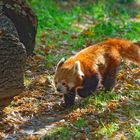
{"points": [[69, 99], [90, 84]]}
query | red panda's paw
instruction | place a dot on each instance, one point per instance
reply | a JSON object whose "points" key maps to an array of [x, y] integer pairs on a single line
{"points": [[69, 99], [90, 84]]}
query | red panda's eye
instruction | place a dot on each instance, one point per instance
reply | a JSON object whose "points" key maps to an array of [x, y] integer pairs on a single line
{"points": [[82, 76], [63, 83]]}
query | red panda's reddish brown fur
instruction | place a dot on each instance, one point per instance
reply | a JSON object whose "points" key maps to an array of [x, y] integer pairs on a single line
{"points": [[103, 58]]}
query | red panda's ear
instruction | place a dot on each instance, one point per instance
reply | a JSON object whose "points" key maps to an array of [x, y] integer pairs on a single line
{"points": [[77, 68], [60, 63]]}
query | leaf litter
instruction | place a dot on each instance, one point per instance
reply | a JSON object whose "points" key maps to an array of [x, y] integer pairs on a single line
{"points": [[39, 109]]}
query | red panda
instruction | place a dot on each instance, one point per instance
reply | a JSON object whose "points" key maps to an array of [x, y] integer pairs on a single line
{"points": [[92, 66]]}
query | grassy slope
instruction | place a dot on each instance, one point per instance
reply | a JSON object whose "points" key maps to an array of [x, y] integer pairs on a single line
{"points": [[73, 26]]}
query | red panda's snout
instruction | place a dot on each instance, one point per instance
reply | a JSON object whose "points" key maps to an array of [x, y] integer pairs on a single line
{"points": [[70, 86], [62, 87]]}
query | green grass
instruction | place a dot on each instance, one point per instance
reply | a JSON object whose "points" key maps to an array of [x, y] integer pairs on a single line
{"points": [[100, 99], [119, 121], [62, 24], [65, 29], [65, 133], [109, 129], [60, 133], [137, 132], [80, 123], [107, 19]]}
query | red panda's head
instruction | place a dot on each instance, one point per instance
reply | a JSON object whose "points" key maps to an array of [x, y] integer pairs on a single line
{"points": [[68, 76]]}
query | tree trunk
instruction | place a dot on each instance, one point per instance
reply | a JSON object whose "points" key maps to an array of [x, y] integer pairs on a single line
{"points": [[17, 39], [24, 20], [12, 60]]}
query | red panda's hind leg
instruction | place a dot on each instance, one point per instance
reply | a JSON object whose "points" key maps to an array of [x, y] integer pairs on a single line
{"points": [[109, 78]]}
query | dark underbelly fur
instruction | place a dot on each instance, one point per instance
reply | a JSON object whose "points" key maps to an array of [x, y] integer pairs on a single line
{"points": [[90, 84]]}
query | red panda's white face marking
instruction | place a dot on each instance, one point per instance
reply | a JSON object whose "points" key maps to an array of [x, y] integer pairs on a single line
{"points": [[63, 87], [68, 78]]}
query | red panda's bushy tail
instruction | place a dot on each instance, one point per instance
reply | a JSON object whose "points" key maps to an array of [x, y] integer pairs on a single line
{"points": [[131, 51]]}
